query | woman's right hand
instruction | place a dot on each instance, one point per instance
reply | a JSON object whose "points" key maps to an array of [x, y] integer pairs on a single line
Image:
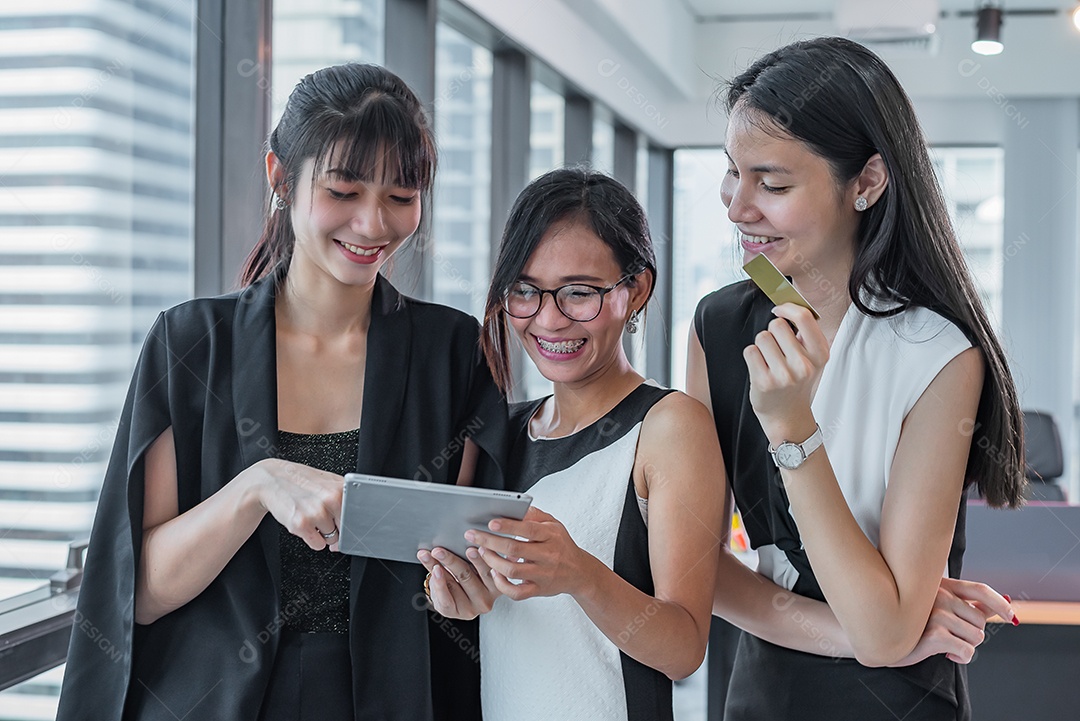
{"points": [[305, 500], [957, 621], [459, 588]]}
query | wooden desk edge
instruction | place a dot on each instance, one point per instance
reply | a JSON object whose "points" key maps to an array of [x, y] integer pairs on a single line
{"points": [[1056, 613]]}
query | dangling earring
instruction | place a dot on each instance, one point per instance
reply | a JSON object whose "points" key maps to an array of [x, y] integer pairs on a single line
{"points": [[632, 322], [861, 204], [279, 202]]}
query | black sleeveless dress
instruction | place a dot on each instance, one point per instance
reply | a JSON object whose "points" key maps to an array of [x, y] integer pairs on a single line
{"points": [[771, 683]]}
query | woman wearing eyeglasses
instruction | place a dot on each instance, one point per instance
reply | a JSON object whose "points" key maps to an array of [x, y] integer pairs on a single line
{"points": [[610, 598]]}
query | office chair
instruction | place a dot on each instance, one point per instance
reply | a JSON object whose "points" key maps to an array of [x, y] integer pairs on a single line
{"points": [[1044, 459]]}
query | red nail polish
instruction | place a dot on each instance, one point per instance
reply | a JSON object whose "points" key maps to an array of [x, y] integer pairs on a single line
{"points": [[1006, 597], [1015, 620]]}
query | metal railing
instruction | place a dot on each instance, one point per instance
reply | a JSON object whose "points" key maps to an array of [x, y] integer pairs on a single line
{"points": [[35, 627]]}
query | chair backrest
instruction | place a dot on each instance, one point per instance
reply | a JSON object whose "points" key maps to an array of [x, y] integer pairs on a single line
{"points": [[1044, 458]]}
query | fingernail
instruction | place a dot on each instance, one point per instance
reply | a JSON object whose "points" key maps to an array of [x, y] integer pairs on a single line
{"points": [[1015, 620], [494, 525], [423, 555], [480, 550], [470, 536], [439, 554], [472, 553], [1006, 597], [436, 572]]}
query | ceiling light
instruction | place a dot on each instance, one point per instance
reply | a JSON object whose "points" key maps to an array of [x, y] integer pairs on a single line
{"points": [[1076, 16], [988, 31]]}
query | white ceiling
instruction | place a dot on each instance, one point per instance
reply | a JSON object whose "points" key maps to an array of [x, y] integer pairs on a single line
{"points": [[727, 8]]}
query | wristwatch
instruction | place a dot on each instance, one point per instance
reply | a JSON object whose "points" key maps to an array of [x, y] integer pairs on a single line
{"points": [[790, 455]]}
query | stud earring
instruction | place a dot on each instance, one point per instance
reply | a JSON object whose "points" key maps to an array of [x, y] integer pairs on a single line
{"points": [[861, 204], [632, 322], [279, 202]]}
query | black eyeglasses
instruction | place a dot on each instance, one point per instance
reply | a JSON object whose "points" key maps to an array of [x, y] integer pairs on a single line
{"points": [[577, 301]]}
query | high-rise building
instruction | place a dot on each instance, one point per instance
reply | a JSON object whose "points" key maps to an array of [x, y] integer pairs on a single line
{"points": [[96, 158], [312, 34], [461, 234]]}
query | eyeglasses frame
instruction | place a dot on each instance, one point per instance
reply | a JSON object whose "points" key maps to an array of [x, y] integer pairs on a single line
{"points": [[555, 298]]}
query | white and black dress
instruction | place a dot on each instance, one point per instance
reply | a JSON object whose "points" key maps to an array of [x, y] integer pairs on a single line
{"points": [[878, 369], [542, 657]]}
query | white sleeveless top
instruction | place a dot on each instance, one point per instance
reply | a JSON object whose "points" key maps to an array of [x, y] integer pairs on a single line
{"points": [[542, 658], [878, 368]]}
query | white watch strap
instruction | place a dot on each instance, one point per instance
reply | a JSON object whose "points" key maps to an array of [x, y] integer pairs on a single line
{"points": [[812, 443]]}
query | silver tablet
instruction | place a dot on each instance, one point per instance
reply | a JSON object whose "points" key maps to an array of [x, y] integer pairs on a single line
{"points": [[392, 518]]}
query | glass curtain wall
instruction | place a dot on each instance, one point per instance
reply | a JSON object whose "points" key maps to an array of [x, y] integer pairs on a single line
{"points": [[973, 181], [96, 160], [546, 152], [462, 214], [603, 141], [707, 255], [311, 34]]}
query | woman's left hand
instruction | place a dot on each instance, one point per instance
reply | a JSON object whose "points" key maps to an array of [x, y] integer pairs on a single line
{"points": [[458, 588], [784, 367], [547, 564]]}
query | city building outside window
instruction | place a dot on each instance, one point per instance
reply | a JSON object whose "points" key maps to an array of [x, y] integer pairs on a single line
{"points": [[461, 238], [96, 156]]}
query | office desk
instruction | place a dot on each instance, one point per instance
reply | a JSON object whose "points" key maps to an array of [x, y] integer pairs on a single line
{"points": [[1031, 671]]}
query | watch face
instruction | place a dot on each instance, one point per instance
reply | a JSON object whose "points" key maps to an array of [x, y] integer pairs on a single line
{"points": [[789, 456]]}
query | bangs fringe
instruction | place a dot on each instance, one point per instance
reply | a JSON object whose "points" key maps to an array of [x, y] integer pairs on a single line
{"points": [[376, 141]]}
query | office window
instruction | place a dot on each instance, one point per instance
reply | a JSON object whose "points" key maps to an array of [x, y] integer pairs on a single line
{"points": [[311, 35], [603, 141], [456, 125], [706, 252], [461, 251], [96, 156], [543, 121], [973, 181], [637, 350], [548, 113], [546, 127]]}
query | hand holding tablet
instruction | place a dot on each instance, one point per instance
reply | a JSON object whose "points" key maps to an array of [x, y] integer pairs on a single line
{"points": [[393, 519]]}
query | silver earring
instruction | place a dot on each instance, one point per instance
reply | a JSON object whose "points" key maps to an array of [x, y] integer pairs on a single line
{"points": [[279, 202], [861, 204], [632, 322]]}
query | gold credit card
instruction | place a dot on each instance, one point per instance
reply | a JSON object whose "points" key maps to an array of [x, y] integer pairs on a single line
{"points": [[773, 283]]}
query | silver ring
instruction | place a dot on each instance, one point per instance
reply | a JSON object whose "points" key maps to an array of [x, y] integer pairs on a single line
{"points": [[328, 536]]}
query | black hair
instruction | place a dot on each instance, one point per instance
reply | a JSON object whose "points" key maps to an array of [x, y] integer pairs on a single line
{"points": [[844, 104], [364, 115], [566, 195]]}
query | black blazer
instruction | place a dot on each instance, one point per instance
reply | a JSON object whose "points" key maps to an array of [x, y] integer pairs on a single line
{"points": [[208, 369]]}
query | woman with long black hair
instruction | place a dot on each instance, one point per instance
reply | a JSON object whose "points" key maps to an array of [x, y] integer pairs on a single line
{"points": [[212, 562], [848, 439]]}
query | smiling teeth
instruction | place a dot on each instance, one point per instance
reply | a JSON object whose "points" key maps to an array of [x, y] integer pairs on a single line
{"points": [[564, 346], [759, 239], [360, 251]]}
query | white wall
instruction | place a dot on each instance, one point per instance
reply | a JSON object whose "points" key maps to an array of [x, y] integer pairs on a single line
{"points": [[633, 55]]}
